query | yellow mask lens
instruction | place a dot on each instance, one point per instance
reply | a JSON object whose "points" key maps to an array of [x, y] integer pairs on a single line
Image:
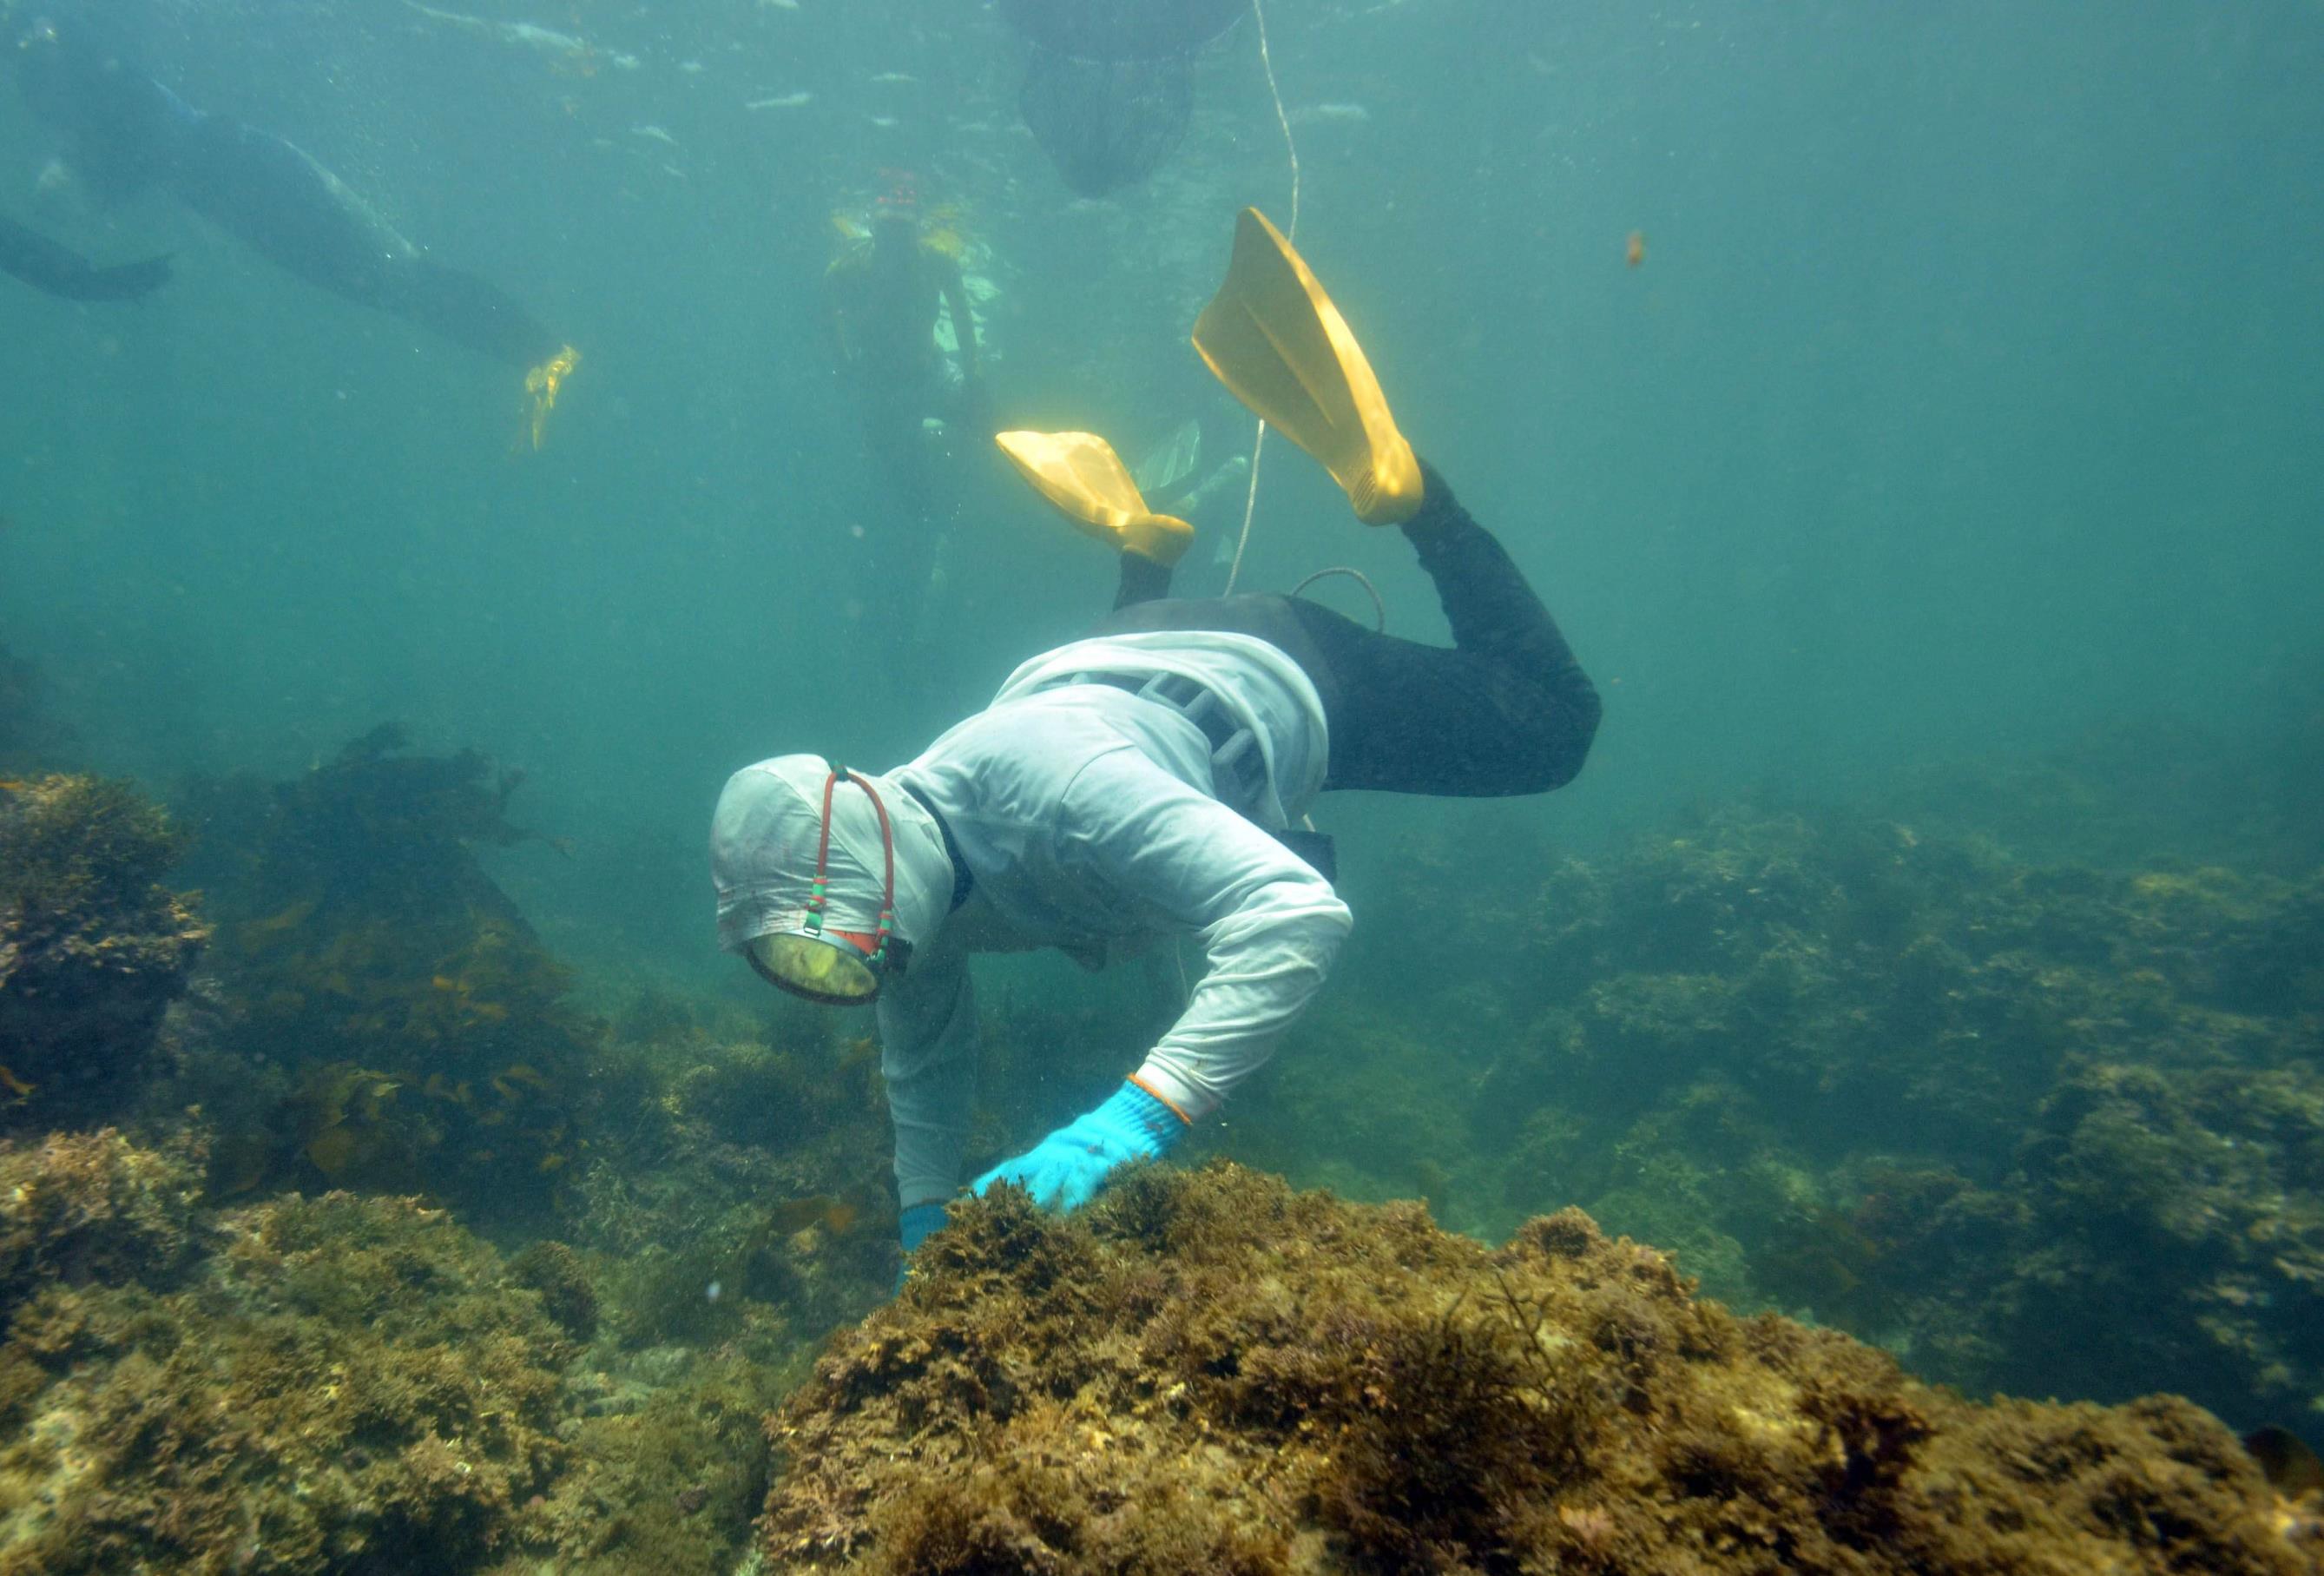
{"points": [[823, 969]]}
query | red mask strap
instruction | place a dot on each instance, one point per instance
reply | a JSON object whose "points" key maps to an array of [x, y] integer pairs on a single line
{"points": [[814, 900]]}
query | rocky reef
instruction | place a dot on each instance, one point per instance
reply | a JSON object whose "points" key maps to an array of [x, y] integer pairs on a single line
{"points": [[93, 949], [1208, 1372], [387, 1019], [334, 1384], [1976, 1104]]}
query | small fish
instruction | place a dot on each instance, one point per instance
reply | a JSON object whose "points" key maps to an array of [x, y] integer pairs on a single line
{"points": [[2291, 1467], [798, 100], [655, 132], [524, 33], [1344, 114], [833, 1214], [692, 67], [884, 122], [1634, 250], [896, 77], [290, 918], [12, 785], [779, 5], [15, 1085]]}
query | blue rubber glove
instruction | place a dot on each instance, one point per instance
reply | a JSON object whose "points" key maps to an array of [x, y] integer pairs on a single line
{"points": [[1064, 1170], [918, 1224]]}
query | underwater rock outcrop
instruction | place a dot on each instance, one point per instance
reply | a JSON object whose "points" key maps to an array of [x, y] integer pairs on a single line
{"points": [[1208, 1372], [2046, 1129], [733, 1183], [391, 1021], [333, 1385], [82, 1208], [93, 948]]}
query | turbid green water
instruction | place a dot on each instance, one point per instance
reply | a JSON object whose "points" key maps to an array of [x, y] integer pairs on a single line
{"points": [[1966, 394], [1914, 416]]}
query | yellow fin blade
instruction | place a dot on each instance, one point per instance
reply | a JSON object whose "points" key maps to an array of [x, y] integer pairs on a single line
{"points": [[1274, 338], [1080, 473]]}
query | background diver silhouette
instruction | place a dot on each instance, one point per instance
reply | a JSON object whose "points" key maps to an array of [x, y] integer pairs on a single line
{"points": [[895, 274], [1109, 88], [881, 295], [59, 270], [125, 132]]}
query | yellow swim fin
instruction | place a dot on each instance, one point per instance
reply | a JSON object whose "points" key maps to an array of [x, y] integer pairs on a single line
{"points": [[1081, 475], [541, 386], [1279, 344]]}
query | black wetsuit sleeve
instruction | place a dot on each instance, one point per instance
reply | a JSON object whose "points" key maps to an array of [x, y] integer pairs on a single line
{"points": [[59, 270]]}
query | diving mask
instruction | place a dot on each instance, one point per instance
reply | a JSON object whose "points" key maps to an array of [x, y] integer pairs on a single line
{"points": [[826, 964], [835, 968]]}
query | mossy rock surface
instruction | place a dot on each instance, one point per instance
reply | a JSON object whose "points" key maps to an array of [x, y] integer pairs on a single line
{"points": [[339, 1384], [92, 948], [1208, 1372]]}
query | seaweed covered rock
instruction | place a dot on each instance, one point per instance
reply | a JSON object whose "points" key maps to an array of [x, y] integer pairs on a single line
{"points": [[1958, 1102], [391, 1020], [1211, 1373], [733, 1182], [92, 948], [348, 1385], [338, 1384], [76, 1208], [2195, 1197]]}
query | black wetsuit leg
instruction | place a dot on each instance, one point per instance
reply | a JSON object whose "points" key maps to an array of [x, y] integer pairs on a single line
{"points": [[44, 265], [467, 310], [1142, 580], [280, 202], [1505, 710]]}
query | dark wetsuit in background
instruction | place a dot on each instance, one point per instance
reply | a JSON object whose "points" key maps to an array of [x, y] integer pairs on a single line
{"points": [[59, 271], [127, 132], [1505, 710]]}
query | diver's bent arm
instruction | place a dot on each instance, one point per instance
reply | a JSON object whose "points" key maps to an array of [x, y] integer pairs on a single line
{"points": [[1271, 925]]}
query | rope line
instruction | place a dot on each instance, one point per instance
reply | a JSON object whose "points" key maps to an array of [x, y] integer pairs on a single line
{"points": [[1291, 147]]}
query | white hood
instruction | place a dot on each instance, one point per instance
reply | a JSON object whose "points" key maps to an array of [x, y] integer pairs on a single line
{"points": [[762, 847]]}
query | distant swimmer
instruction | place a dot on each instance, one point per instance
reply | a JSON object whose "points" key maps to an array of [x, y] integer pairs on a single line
{"points": [[61, 272], [128, 134], [1110, 86], [896, 277]]}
